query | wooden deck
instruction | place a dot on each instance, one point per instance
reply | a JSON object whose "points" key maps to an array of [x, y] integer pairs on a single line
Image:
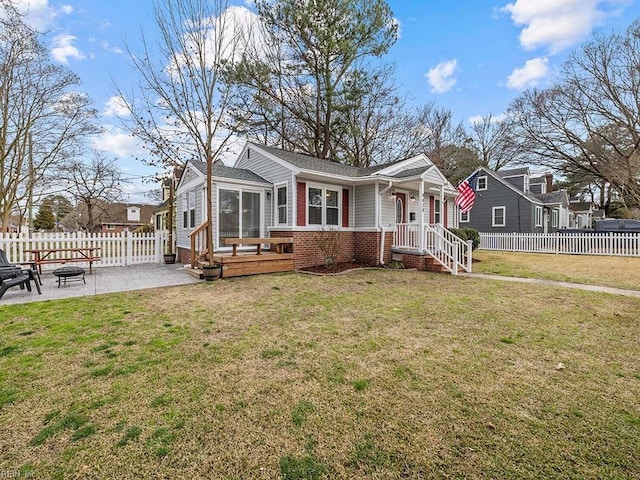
{"points": [[250, 264]]}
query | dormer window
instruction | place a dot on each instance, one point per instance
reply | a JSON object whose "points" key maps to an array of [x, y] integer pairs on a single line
{"points": [[133, 214]]}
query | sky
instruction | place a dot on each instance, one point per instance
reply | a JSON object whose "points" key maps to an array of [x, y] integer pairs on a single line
{"points": [[472, 57]]}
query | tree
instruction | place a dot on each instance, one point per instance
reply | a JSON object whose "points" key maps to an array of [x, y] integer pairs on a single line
{"points": [[443, 140], [302, 78], [494, 142], [45, 218], [94, 184], [377, 127], [180, 107], [589, 121], [44, 122]]}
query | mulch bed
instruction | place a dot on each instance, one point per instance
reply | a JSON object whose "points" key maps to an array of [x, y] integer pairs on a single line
{"points": [[337, 268]]}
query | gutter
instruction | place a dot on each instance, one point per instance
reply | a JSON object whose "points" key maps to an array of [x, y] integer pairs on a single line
{"points": [[380, 227]]}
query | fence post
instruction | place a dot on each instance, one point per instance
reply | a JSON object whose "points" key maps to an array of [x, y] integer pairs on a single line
{"points": [[469, 255]]}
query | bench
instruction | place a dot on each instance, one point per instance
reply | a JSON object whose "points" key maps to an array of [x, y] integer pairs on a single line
{"points": [[90, 260], [279, 243]]}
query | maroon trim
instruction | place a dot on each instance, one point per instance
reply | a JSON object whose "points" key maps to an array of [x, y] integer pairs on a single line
{"points": [[301, 195], [345, 207], [432, 213]]}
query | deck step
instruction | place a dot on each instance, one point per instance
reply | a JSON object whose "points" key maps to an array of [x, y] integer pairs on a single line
{"points": [[196, 273]]}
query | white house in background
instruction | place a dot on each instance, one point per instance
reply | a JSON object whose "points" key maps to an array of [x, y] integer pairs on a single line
{"points": [[376, 211]]}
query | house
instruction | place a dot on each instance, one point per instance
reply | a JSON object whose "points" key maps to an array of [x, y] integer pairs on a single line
{"points": [[514, 201], [375, 212], [120, 217], [580, 214]]}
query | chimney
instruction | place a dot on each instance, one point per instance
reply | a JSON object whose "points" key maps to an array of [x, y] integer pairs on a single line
{"points": [[549, 178]]}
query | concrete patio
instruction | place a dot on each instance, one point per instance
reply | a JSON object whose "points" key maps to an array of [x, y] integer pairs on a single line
{"points": [[103, 280]]}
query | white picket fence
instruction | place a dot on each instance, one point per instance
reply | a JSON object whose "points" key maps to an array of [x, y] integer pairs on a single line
{"points": [[616, 244], [116, 249]]}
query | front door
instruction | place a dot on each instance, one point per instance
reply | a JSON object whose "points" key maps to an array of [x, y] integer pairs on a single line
{"points": [[239, 214]]}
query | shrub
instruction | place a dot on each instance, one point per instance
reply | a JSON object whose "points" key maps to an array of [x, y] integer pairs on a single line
{"points": [[459, 232], [473, 235]]}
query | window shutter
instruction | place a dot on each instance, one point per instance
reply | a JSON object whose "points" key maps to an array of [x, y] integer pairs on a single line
{"points": [[446, 214], [345, 207], [432, 213], [301, 205]]}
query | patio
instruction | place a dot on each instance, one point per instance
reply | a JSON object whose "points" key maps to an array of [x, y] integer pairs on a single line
{"points": [[104, 280]]}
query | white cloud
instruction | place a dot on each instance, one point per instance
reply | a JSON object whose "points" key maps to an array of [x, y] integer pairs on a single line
{"points": [[119, 143], [494, 118], [63, 49], [559, 24], [39, 14], [109, 48], [528, 75], [442, 76], [115, 107]]}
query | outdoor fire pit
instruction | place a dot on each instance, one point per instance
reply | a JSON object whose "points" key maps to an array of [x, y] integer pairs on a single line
{"points": [[69, 273]]}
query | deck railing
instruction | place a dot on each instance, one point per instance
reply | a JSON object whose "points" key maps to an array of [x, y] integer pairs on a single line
{"points": [[198, 243], [614, 244], [116, 249]]}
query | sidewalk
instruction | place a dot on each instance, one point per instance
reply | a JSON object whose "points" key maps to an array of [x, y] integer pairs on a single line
{"points": [[537, 281], [104, 280]]}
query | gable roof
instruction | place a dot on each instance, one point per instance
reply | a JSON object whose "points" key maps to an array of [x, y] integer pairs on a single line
{"points": [[117, 213], [393, 170], [559, 196], [514, 172], [222, 171]]}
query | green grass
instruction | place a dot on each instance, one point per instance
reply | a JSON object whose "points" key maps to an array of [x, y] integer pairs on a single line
{"points": [[374, 374], [617, 272]]}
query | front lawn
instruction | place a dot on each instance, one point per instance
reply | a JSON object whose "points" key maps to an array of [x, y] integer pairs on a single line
{"points": [[617, 272], [373, 374]]}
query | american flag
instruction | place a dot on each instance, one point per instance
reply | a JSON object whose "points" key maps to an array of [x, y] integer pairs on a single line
{"points": [[467, 193]]}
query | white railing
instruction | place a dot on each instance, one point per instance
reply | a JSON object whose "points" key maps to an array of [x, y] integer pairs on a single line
{"points": [[116, 249], [447, 249], [615, 244]]}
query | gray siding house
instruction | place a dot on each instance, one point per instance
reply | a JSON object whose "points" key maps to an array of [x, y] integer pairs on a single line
{"points": [[513, 201], [274, 193]]}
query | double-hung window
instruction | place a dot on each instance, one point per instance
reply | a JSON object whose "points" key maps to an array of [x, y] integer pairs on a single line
{"points": [[436, 210], [281, 199], [555, 214], [464, 217], [482, 183], [323, 206], [538, 216], [498, 217]]}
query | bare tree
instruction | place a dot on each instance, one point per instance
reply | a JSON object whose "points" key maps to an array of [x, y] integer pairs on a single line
{"points": [[180, 108], [44, 121], [94, 184], [494, 142], [442, 138], [590, 120]]}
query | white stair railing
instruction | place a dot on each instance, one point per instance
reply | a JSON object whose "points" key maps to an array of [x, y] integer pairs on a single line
{"points": [[448, 249]]}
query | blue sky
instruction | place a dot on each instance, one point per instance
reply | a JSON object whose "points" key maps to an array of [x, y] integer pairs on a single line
{"points": [[470, 56]]}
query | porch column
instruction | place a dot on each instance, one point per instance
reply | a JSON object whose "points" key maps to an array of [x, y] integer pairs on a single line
{"points": [[442, 206], [421, 220]]}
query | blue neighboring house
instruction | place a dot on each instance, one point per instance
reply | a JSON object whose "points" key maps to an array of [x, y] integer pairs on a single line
{"points": [[515, 201]]}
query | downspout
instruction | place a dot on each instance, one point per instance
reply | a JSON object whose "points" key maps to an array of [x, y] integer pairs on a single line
{"points": [[380, 227]]}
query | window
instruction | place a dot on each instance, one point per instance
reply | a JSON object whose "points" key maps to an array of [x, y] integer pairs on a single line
{"points": [[538, 216], [436, 210], [498, 217], [323, 206], [399, 210], [555, 214], [239, 214], [281, 196], [332, 216], [111, 226], [482, 183], [464, 217], [315, 206], [189, 212], [192, 209]]}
